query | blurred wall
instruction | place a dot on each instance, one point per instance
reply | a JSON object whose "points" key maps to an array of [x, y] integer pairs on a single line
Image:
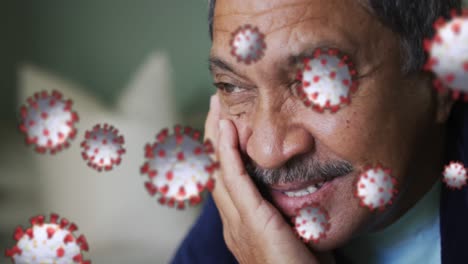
{"points": [[98, 44], [12, 45]]}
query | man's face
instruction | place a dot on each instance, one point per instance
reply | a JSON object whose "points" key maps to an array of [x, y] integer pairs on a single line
{"points": [[393, 119]]}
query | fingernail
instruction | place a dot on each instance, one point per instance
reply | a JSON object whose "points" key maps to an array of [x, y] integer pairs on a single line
{"points": [[212, 99], [222, 125]]}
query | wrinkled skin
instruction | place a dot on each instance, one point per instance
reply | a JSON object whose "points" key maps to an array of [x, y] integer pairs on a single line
{"points": [[394, 119]]}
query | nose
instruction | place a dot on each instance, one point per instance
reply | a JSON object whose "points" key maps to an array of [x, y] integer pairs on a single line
{"points": [[275, 139]]}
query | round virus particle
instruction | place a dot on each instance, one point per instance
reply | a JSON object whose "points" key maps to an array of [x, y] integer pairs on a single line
{"points": [[48, 121], [448, 55], [311, 223], [376, 188], [52, 242], [103, 147], [455, 176], [179, 167], [247, 44], [328, 78]]}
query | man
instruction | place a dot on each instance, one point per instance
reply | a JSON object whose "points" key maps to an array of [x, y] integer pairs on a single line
{"points": [[272, 147]]}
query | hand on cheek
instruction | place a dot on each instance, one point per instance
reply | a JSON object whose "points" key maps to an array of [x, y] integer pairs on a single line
{"points": [[253, 229]]}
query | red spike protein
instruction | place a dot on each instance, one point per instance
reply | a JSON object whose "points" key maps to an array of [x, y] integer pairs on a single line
{"points": [[179, 167], [52, 242], [48, 121], [312, 223], [328, 79], [103, 147], [376, 188], [455, 175], [448, 55], [247, 44]]}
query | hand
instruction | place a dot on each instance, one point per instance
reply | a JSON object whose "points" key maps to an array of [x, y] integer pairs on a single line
{"points": [[254, 231]]}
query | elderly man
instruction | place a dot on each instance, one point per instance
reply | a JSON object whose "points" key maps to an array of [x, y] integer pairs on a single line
{"points": [[273, 148]]}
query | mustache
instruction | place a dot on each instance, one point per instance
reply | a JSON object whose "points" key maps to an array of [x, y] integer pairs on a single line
{"points": [[297, 169]]}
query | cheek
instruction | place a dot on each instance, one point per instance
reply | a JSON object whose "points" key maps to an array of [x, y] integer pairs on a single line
{"points": [[361, 138], [340, 133], [363, 135], [375, 131], [351, 136]]}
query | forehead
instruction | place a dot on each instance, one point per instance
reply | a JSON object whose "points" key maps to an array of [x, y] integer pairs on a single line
{"points": [[290, 26]]}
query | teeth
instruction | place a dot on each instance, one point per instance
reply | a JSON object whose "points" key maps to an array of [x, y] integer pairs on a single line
{"points": [[305, 191]]}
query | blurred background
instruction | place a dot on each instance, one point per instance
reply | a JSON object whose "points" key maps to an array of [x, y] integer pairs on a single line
{"points": [[138, 65]]}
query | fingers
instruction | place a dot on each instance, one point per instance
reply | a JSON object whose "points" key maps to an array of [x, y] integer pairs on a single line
{"points": [[220, 195], [235, 194], [223, 201], [243, 192], [211, 124]]}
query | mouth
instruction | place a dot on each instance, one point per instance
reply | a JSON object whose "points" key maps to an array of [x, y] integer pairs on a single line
{"points": [[309, 189], [290, 197]]}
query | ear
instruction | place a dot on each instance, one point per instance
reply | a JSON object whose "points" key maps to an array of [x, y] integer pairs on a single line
{"points": [[442, 101], [444, 104]]}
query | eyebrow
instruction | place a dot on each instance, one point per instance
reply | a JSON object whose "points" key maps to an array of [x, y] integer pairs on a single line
{"points": [[296, 59], [216, 63]]}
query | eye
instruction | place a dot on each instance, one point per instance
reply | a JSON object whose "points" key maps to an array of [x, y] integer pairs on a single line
{"points": [[228, 87], [294, 87]]}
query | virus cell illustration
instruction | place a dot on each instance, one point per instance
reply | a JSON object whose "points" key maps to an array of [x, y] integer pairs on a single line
{"points": [[103, 147], [455, 176], [448, 55], [179, 167], [311, 223], [48, 121], [52, 242], [327, 80], [247, 44], [376, 188]]}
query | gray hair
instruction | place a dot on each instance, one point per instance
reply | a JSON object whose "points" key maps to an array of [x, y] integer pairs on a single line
{"points": [[412, 20]]}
